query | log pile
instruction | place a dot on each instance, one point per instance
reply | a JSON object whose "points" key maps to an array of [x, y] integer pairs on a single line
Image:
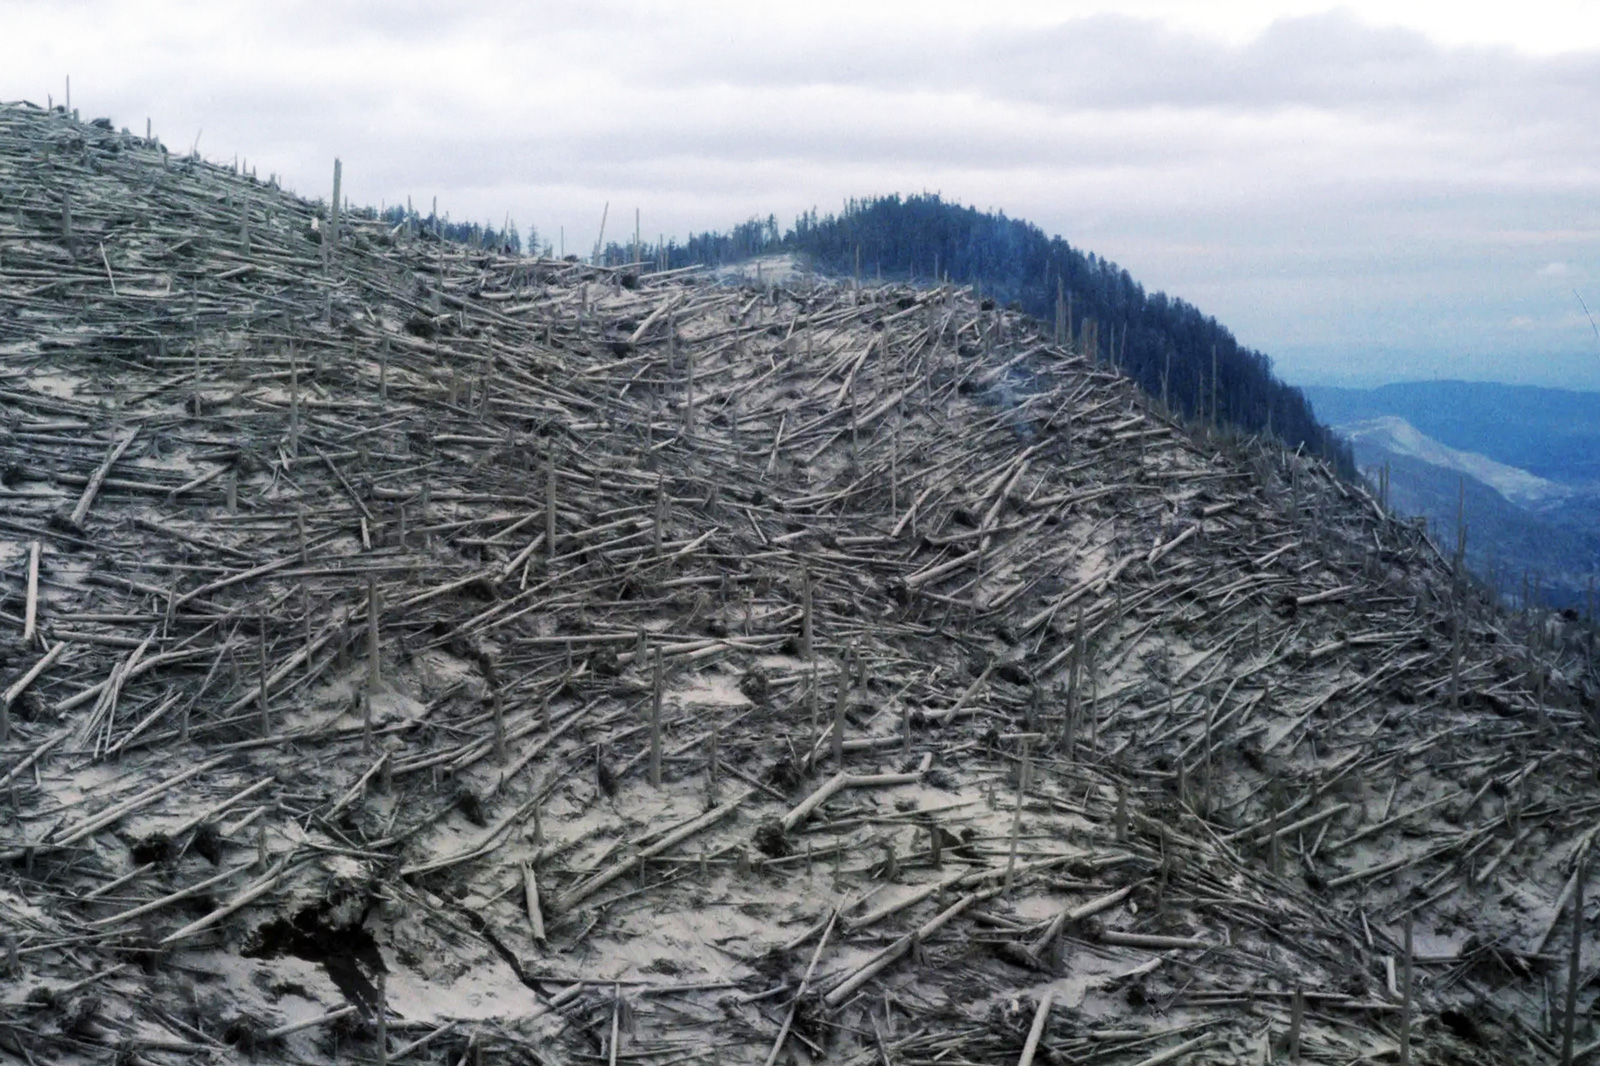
{"points": [[412, 652]]}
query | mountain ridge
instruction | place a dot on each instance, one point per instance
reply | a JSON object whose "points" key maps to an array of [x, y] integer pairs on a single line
{"points": [[1170, 348]]}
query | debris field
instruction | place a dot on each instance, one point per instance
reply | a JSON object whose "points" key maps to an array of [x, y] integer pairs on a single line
{"points": [[411, 652]]}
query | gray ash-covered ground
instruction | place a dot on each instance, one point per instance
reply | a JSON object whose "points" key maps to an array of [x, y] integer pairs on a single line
{"points": [[1149, 725]]}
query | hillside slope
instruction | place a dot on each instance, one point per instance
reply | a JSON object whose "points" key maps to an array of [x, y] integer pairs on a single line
{"points": [[517, 661], [1164, 344]]}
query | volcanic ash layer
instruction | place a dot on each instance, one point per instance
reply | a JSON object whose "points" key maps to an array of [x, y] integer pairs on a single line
{"points": [[526, 660]]}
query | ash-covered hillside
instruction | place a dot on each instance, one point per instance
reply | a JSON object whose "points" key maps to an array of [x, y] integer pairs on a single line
{"points": [[413, 653]]}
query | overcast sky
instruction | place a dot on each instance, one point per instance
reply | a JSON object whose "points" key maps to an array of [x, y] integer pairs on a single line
{"points": [[1371, 192]]}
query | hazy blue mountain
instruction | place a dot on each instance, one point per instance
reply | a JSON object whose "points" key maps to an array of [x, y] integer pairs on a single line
{"points": [[1554, 433], [1526, 462]]}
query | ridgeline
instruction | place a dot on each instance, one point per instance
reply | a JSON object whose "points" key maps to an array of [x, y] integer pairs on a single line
{"points": [[1169, 347]]}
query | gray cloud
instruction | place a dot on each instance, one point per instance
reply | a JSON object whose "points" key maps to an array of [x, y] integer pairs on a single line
{"points": [[1342, 195]]}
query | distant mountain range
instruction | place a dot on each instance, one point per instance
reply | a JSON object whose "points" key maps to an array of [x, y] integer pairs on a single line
{"points": [[1554, 433], [1525, 460]]}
